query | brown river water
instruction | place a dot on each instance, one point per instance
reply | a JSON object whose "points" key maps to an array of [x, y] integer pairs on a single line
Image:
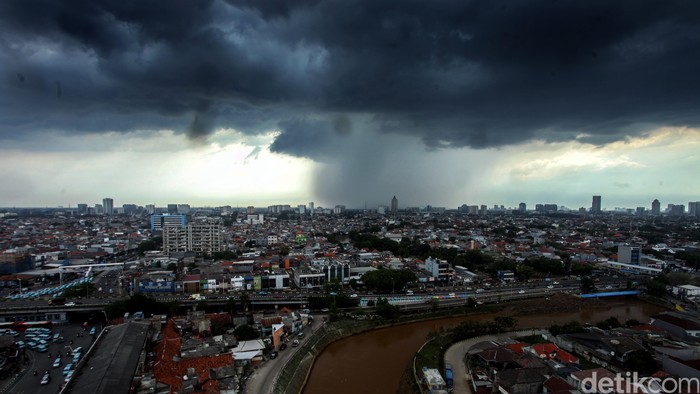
{"points": [[374, 362]]}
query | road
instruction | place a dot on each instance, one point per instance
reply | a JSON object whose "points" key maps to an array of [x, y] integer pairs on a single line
{"points": [[263, 379], [28, 383]]}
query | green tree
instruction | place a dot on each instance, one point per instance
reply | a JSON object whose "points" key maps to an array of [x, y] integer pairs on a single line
{"points": [[232, 306], [245, 332], [332, 286], [525, 272], [505, 323], [81, 290], [385, 309], [571, 327], [587, 285], [657, 286], [387, 280], [150, 244], [611, 322], [642, 361]]}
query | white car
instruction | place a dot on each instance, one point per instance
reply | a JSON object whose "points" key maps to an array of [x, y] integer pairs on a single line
{"points": [[70, 303], [521, 292]]}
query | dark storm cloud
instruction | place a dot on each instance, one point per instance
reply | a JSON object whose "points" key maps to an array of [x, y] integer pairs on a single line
{"points": [[309, 138], [452, 74]]}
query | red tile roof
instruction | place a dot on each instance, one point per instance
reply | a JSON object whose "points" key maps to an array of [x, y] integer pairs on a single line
{"points": [[516, 347], [170, 372]]}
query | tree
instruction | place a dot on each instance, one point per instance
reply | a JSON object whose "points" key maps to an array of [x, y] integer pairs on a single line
{"points": [[202, 305], [332, 286], [505, 323], [150, 244], [611, 322], [245, 302], [525, 272], [587, 285], [642, 361], [387, 280], [571, 327], [232, 306], [81, 290], [657, 286], [245, 332], [385, 309]]}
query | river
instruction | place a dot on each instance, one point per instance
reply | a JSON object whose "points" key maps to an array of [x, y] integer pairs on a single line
{"points": [[374, 362]]}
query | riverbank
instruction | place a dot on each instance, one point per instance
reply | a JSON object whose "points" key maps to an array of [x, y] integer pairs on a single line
{"points": [[374, 361], [293, 379], [433, 353]]}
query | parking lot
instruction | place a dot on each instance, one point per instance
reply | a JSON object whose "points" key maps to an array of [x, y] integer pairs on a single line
{"points": [[45, 365]]}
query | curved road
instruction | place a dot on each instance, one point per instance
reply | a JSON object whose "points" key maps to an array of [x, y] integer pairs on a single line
{"points": [[456, 353]]}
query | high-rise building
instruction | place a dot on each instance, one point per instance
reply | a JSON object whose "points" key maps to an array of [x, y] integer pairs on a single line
{"points": [[302, 209], [311, 208], [522, 207], [550, 208], [694, 208], [339, 209], [98, 209], [595, 207], [160, 222], [394, 205], [183, 209], [150, 209], [629, 254], [202, 236], [82, 209], [250, 210], [130, 209], [108, 205], [655, 207], [172, 209], [676, 209]]}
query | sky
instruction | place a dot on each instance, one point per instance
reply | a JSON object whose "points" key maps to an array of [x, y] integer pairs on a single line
{"points": [[243, 102]]}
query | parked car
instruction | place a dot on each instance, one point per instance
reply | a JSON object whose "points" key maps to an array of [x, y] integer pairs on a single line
{"points": [[283, 346], [68, 376], [273, 355], [300, 335], [45, 379], [57, 362], [67, 368]]}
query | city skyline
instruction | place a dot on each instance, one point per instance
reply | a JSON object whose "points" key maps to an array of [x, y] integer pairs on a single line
{"points": [[236, 103], [83, 207]]}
